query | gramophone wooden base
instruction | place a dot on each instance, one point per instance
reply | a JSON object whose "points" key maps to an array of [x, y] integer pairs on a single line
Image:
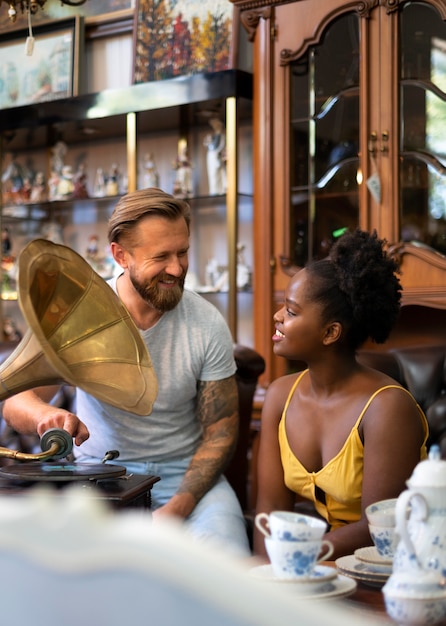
{"points": [[127, 491]]}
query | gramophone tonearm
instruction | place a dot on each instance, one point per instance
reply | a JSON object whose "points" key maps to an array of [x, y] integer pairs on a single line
{"points": [[55, 443]]}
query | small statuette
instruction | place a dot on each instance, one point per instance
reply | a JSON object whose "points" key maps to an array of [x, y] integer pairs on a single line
{"points": [[182, 187], [99, 183], [216, 157], [151, 176], [112, 184], [80, 183]]}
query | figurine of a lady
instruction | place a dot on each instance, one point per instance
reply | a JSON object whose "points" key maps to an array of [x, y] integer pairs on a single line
{"points": [[216, 157], [151, 177]]}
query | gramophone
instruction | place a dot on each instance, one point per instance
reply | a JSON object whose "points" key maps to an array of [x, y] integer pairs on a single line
{"points": [[81, 334]]}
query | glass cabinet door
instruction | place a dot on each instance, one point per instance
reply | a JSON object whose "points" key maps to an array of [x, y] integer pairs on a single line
{"points": [[324, 141], [327, 98], [422, 162]]}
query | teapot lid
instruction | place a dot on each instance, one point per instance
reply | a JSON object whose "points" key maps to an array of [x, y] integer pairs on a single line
{"points": [[431, 472]]}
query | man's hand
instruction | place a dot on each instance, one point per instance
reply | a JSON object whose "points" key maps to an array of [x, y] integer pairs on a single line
{"points": [[179, 506], [30, 413], [59, 418]]}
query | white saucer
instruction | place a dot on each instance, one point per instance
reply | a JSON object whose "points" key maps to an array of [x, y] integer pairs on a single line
{"points": [[371, 555], [321, 574], [338, 586], [360, 570]]}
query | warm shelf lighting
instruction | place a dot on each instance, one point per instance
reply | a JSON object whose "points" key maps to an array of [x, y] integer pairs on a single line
{"points": [[33, 5]]}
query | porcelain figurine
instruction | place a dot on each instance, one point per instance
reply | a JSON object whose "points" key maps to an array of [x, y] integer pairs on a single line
{"points": [[99, 183], [65, 187], [182, 187], [112, 184], [216, 157], [151, 176], [38, 191], [80, 183]]}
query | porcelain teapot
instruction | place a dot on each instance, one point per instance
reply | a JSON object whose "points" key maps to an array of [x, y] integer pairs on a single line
{"points": [[412, 600], [421, 519]]}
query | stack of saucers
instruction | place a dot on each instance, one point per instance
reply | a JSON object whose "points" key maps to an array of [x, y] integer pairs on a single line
{"points": [[366, 565], [325, 582]]}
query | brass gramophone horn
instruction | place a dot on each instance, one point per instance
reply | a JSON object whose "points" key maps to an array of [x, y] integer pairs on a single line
{"points": [[79, 332]]}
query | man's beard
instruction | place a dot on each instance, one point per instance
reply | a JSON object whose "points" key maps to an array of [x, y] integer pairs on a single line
{"points": [[160, 299]]}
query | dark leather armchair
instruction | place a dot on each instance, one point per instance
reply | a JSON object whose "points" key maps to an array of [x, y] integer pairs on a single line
{"points": [[250, 365], [421, 370]]}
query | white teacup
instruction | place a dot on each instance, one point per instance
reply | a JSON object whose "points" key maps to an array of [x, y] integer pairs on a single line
{"points": [[288, 526], [296, 559], [382, 513], [382, 521]]}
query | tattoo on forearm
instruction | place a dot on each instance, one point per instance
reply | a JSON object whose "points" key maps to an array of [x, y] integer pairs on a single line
{"points": [[217, 408]]}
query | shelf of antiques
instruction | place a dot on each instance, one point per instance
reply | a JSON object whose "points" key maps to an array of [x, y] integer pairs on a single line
{"points": [[66, 163]]}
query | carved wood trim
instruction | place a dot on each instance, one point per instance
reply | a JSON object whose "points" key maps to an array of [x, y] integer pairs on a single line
{"points": [[363, 9], [423, 274], [393, 5], [246, 5], [251, 19], [420, 251], [362, 5]]}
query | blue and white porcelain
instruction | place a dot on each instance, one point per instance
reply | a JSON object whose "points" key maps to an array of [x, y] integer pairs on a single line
{"points": [[382, 513], [411, 600], [290, 526], [416, 590], [296, 559], [421, 518], [385, 540]]}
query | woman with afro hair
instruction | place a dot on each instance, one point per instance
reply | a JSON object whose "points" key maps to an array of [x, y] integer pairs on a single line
{"points": [[339, 434]]}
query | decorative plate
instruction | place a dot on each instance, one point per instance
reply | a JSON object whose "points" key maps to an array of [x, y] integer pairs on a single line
{"points": [[321, 574], [359, 570], [338, 587], [371, 555]]}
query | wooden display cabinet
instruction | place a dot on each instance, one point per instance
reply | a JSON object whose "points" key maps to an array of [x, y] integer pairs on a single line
{"points": [[349, 115], [118, 132]]}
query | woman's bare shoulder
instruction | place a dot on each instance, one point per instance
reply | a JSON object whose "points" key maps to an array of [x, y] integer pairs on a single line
{"points": [[278, 392], [283, 384]]}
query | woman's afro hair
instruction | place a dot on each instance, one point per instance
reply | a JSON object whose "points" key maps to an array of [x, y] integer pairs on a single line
{"points": [[358, 284]]}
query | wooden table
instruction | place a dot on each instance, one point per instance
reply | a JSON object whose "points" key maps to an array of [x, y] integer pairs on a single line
{"points": [[365, 599], [370, 600]]}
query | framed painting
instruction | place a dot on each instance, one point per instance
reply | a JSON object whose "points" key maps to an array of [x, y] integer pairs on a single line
{"points": [[183, 37], [51, 72]]}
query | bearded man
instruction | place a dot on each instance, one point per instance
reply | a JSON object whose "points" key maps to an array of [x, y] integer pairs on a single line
{"points": [[190, 435]]}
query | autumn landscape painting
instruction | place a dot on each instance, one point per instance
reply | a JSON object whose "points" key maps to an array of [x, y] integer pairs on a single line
{"points": [[180, 37]]}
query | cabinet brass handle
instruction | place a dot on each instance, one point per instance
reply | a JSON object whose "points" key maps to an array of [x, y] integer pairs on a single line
{"points": [[372, 142]]}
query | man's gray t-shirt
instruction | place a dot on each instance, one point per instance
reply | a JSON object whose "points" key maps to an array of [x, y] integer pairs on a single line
{"points": [[188, 344]]}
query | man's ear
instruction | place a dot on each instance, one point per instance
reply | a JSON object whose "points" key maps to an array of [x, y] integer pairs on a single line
{"points": [[333, 333], [119, 254]]}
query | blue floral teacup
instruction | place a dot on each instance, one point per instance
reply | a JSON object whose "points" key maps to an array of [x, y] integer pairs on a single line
{"points": [[296, 559]]}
